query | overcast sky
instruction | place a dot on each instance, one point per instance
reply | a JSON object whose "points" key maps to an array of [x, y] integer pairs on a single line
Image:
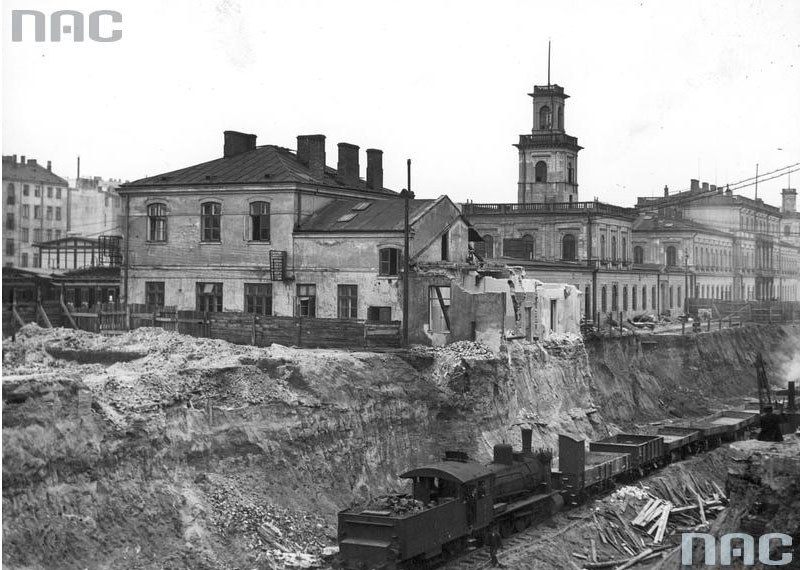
{"points": [[660, 92]]}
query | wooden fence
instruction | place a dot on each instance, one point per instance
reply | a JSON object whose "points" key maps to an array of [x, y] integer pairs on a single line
{"points": [[241, 328]]}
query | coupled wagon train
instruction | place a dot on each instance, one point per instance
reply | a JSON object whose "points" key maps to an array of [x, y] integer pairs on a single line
{"points": [[458, 500]]}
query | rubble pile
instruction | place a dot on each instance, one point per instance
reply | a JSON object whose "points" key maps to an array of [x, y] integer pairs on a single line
{"points": [[394, 504], [268, 526], [459, 349]]}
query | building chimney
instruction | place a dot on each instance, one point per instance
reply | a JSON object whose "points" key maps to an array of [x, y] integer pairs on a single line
{"points": [[374, 169], [311, 152], [789, 205], [50, 165], [666, 190], [15, 158], [712, 187], [32, 162], [348, 164], [695, 185], [728, 191], [237, 143], [22, 160], [705, 186]]}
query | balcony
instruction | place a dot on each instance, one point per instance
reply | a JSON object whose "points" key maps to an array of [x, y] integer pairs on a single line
{"points": [[541, 140], [548, 207]]}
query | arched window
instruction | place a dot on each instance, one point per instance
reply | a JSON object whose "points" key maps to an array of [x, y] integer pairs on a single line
{"points": [[624, 252], [157, 222], [560, 118], [624, 297], [671, 256], [568, 248], [545, 118], [614, 301], [210, 216], [614, 248], [488, 241], [603, 247], [653, 299], [679, 296], [541, 171], [633, 298], [670, 296], [638, 254], [527, 246], [259, 221], [644, 297], [603, 305]]}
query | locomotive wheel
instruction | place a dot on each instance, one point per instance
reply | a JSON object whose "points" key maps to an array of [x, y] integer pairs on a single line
{"points": [[506, 528]]}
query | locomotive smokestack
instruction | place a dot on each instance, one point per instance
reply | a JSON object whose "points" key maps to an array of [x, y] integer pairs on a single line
{"points": [[527, 436]]}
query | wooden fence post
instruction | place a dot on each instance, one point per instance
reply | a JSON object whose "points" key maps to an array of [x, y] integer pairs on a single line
{"points": [[65, 310]]}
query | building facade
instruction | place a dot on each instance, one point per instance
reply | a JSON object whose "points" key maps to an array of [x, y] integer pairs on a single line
{"points": [[95, 207], [34, 210]]}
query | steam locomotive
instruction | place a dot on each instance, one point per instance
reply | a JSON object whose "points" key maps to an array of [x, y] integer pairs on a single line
{"points": [[458, 499]]}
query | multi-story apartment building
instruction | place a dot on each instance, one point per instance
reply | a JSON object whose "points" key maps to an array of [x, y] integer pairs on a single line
{"points": [[95, 207], [34, 209]]}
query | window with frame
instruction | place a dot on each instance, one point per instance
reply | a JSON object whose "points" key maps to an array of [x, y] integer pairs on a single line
{"points": [[672, 257], [49, 235], [653, 298], [49, 214], [389, 261], [568, 248], [540, 171], [37, 212], [348, 301], [603, 247], [259, 221], [58, 193], [445, 246], [58, 234], [9, 246], [37, 191], [613, 248], [24, 235], [614, 303], [37, 260], [644, 297], [633, 298], [10, 221], [11, 195], [210, 221], [638, 254], [679, 297], [58, 213], [49, 191], [258, 298], [603, 302], [157, 222], [23, 260], [154, 294], [439, 308], [379, 314], [306, 300], [624, 297], [26, 190], [37, 235], [209, 297], [26, 211]]}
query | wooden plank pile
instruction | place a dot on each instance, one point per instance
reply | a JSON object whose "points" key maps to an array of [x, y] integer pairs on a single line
{"points": [[667, 508]]}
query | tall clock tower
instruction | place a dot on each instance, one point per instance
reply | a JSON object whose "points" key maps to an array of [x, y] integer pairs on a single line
{"points": [[548, 157]]}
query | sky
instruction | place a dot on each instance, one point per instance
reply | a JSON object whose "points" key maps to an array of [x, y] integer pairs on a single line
{"points": [[660, 92]]}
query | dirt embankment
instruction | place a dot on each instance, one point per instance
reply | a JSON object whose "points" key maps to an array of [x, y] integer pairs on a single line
{"points": [[652, 377], [168, 451]]}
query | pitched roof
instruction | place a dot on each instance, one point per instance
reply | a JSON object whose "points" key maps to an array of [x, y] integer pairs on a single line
{"points": [[653, 223], [31, 172], [265, 164], [365, 216]]}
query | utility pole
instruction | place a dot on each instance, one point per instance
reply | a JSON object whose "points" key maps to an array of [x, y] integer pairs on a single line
{"points": [[685, 282], [407, 195]]}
